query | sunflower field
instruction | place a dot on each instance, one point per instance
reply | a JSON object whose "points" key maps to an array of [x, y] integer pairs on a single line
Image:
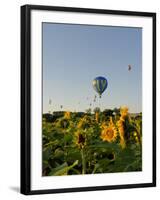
{"points": [[91, 143]]}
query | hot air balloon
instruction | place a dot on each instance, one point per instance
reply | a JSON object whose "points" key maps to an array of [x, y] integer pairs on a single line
{"points": [[100, 84], [129, 67], [50, 101]]}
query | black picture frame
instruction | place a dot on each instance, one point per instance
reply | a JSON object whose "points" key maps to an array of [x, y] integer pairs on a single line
{"points": [[26, 97]]}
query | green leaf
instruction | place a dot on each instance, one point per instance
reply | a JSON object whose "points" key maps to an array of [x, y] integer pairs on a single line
{"points": [[68, 138], [106, 145], [51, 143], [46, 154], [62, 169], [58, 153]]}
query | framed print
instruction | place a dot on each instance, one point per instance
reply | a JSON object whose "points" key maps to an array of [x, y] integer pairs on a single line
{"points": [[88, 99]]}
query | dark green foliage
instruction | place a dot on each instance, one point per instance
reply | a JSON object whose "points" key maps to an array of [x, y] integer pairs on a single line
{"points": [[63, 155]]}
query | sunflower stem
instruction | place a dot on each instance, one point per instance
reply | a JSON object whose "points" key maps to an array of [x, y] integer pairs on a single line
{"points": [[83, 161]]}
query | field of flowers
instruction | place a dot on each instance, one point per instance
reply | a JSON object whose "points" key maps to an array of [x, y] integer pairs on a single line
{"points": [[90, 143]]}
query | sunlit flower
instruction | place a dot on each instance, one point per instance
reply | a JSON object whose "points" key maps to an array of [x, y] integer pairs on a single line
{"points": [[111, 122], [103, 125], [120, 124], [80, 124], [67, 115], [97, 117], [124, 111], [109, 133], [84, 122]]}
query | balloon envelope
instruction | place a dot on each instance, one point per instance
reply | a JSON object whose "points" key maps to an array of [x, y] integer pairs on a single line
{"points": [[100, 84]]}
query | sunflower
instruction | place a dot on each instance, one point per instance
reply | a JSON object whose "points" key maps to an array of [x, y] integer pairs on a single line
{"points": [[120, 124], [97, 117], [80, 123], [124, 111], [84, 122], [80, 139], [67, 115], [109, 133], [103, 125]]}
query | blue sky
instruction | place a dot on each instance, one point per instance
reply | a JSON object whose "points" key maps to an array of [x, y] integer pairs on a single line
{"points": [[73, 55]]}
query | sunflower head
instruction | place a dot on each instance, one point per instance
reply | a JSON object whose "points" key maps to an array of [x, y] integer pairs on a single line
{"points": [[111, 122], [124, 111], [97, 117], [109, 133], [103, 125], [80, 139], [84, 122], [121, 130], [67, 115]]}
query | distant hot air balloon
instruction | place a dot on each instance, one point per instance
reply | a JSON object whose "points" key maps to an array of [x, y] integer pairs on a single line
{"points": [[100, 84], [50, 101], [129, 67], [94, 100]]}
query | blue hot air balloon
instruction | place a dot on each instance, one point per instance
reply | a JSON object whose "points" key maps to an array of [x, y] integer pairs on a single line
{"points": [[100, 84]]}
